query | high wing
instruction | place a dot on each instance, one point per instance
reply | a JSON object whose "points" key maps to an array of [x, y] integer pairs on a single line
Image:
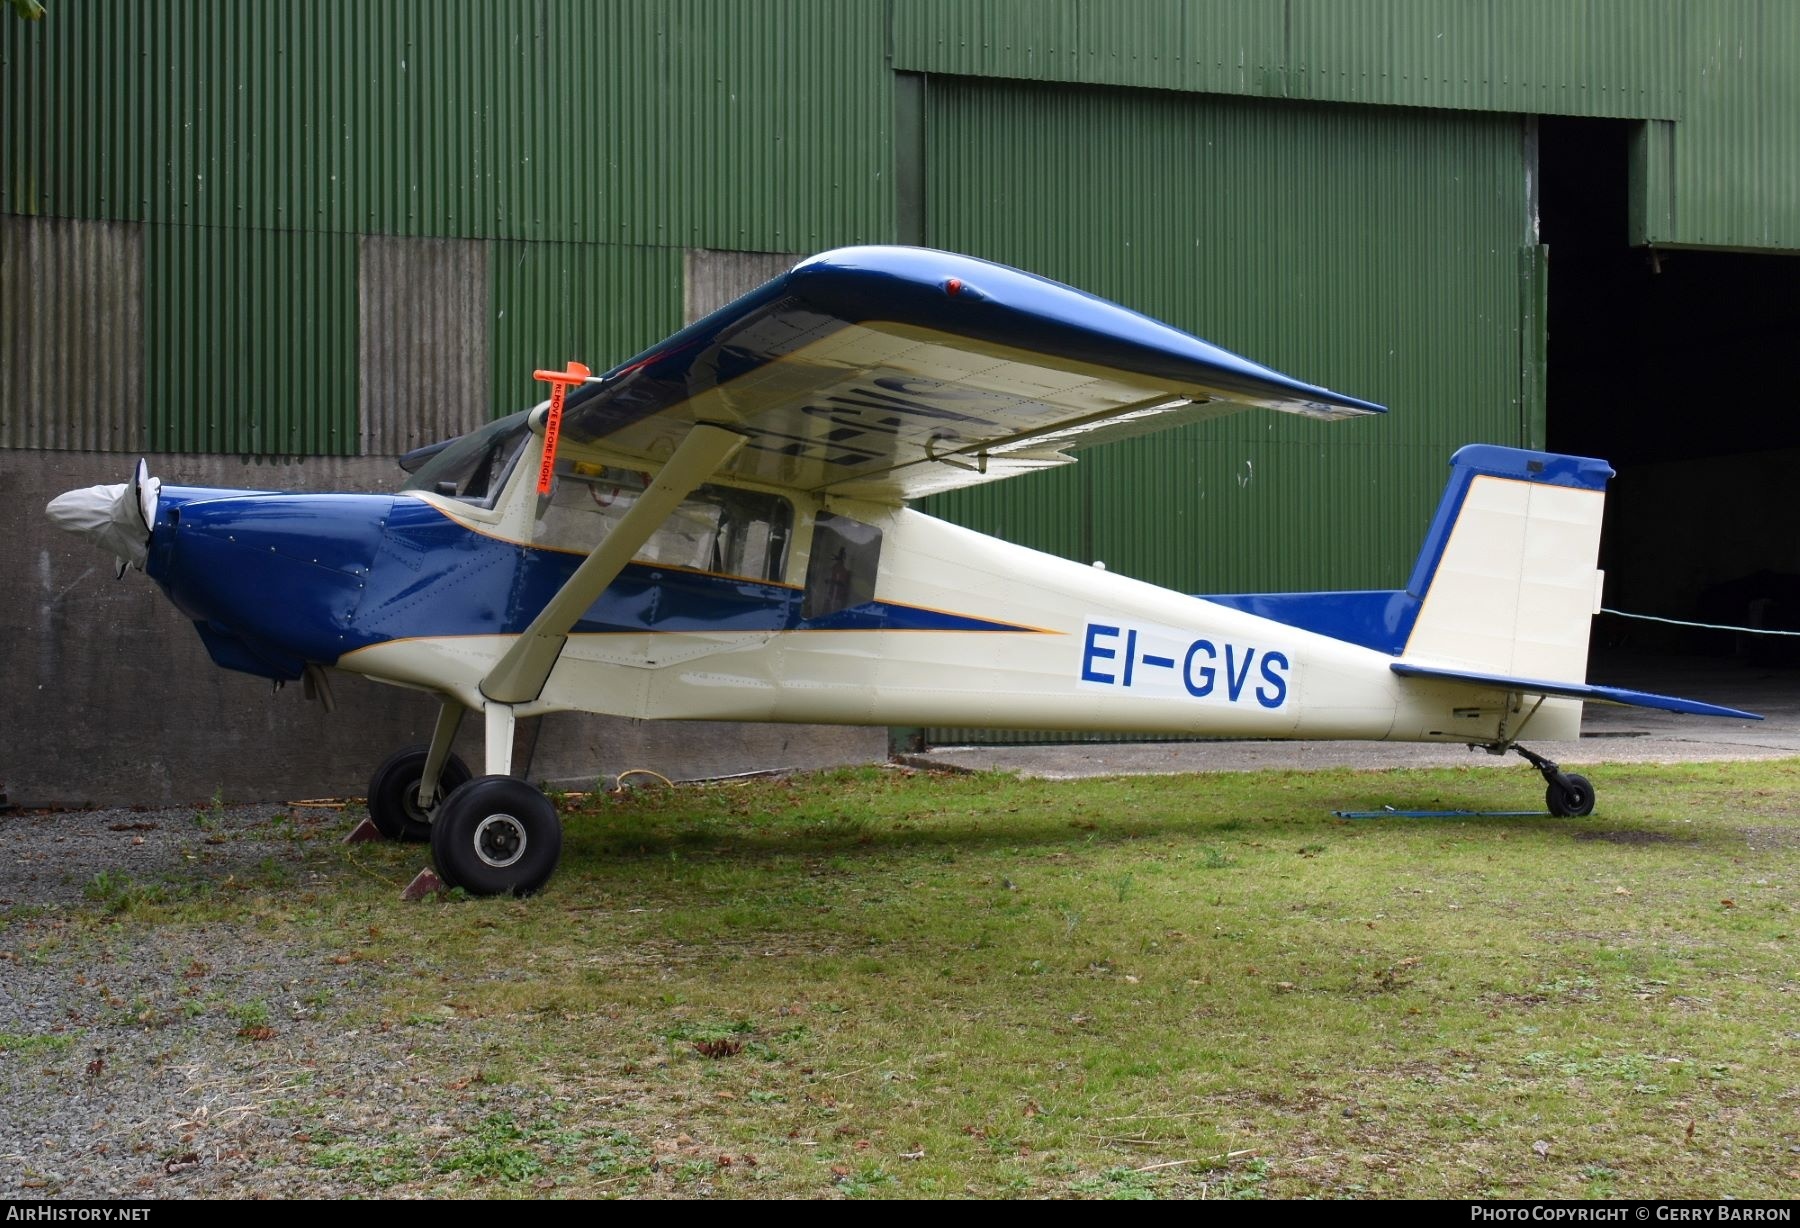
{"points": [[895, 372]]}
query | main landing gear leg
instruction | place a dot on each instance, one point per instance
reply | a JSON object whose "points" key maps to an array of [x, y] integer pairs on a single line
{"points": [[449, 720], [1568, 796], [406, 791], [496, 835]]}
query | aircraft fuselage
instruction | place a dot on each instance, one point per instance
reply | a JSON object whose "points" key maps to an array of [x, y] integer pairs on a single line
{"points": [[957, 628]]}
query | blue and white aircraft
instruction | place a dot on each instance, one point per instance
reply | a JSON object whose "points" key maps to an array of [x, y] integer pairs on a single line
{"points": [[718, 530]]}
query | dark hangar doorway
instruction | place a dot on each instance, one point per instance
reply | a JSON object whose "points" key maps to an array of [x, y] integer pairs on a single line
{"points": [[1678, 366]]}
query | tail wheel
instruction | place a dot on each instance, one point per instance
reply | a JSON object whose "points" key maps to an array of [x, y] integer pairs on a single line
{"points": [[496, 835], [1569, 796], [394, 793]]}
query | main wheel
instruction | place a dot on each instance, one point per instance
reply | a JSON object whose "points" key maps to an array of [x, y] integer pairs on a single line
{"points": [[496, 835], [394, 793], [1569, 796]]}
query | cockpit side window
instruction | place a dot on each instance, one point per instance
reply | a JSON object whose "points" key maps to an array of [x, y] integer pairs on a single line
{"points": [[718, 529], [475, 467]]}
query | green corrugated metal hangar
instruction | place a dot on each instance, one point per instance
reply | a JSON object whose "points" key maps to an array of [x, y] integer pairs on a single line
{"points": [[298, 240]]}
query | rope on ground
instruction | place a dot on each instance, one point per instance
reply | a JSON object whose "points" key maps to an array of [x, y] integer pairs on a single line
{"points": [[645, 772], [375, 874], [1679, 622]]}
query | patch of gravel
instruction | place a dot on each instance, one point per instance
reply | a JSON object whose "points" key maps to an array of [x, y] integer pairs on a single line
{"points": [[50, 858], [1769, 839], [196, 1059]]}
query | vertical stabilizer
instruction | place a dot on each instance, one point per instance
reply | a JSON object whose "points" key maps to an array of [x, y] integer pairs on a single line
{"points": [[1507, 581]]}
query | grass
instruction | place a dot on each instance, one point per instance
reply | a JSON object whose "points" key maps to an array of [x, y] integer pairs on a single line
{"points": [[884, 984], [496, 1150], [118, 892], [28, 1044]]}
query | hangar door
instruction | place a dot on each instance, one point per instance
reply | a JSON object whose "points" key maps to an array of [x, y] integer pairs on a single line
{"points": [[1384, 252], [1676, 366]]}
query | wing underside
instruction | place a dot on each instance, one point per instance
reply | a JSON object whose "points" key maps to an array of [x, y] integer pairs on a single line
{"points": [[891, 373]]}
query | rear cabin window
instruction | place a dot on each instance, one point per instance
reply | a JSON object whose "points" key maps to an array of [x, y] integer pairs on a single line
{"points": [[840, 573], [717, 529]]}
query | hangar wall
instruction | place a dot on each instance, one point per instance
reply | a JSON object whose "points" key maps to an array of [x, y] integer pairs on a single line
{"points": [[588, 146], [1713, 82], [253, 148], [1726, 172], [666, 123]]}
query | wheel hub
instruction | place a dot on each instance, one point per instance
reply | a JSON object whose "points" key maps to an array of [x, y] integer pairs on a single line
{"points": [[500, 840], [409, 802]]}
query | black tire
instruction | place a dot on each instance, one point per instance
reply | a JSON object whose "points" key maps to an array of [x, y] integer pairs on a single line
{"points": [[1570, 796], [496, 835], [394, 793]]}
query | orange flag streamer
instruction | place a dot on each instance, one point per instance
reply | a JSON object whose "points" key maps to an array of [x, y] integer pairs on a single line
{"points": [[560, 382]]}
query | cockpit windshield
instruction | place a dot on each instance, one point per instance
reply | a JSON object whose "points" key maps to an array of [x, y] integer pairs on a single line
{"points": [[476, 466]]}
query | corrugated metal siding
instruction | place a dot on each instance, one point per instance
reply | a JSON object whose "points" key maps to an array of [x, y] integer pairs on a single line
{"points": [[1615, 58], [1718, 163], [1210, 46], [72, 346], [1534, 344], [72, 124], [1650, 205], [1385, 253], [1601, 58], [1731, 169], [1377, 252], [677, 122], [422, 357], [250, 341], [593, 303], [683, 124]]}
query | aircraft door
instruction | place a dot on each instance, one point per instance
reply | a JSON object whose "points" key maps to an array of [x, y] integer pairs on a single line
{"points": [[709, 580]]}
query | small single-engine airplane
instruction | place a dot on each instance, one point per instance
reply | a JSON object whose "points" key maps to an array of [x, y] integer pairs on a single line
{"points": [[718, 530]]}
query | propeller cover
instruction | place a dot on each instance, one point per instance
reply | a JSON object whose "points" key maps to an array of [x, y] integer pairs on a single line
{"points": [[116, 517]]}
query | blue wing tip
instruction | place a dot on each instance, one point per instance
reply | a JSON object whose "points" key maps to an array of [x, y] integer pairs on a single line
{"points": [[964, 282]]}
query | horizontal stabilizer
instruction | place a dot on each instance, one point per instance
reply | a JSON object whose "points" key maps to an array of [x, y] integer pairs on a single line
{"points": [[1573, 690]]}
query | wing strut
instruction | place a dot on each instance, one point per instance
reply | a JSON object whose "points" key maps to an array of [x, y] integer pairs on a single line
{"points": [[519, 676]]}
